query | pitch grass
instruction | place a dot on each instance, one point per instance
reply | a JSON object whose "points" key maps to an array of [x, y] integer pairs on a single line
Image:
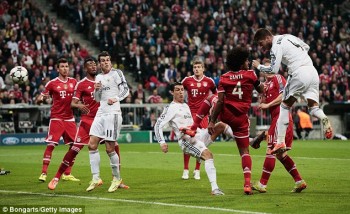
{"points": [[156, 185]]}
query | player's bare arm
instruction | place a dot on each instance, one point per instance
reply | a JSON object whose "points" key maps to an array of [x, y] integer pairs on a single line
{"points": [[76, 104], [274, 102], [216, 112], [41, 98]]}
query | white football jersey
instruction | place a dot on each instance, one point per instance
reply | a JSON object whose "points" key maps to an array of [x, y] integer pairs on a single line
{"points": [[177, 115], [114, 85], [289, 50]]}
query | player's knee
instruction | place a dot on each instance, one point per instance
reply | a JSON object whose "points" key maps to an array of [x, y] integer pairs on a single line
{"points": [[206, 154], [92, 146], [109, 150]]}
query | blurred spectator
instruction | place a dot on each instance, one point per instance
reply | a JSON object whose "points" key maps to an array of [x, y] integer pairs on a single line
{"points": [[302, 121], [175, 31], [16, 93], [139, 96], [149, 122], [154, 97]]}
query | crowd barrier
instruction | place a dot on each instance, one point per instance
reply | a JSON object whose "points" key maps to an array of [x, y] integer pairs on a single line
{"points": [[28, 124]]}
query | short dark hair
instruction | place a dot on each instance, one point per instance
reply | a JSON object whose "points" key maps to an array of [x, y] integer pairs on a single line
{"points": [[172, 86], [61, 60], [261, 34], [103, 53], [89, 59], [236, 57]]}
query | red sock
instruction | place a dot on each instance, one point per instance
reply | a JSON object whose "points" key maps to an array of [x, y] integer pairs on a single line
{"points": [[70, 155], [116, 149], [67, 159], [186, 160], [201, 113], [47, 157], [198, 165], [290, 166], [269, 166], [246, 166]]}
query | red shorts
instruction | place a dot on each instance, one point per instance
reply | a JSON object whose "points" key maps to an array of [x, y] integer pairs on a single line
{"points": [[240, 127], [272, 134], [61, 128], [82, 137]]}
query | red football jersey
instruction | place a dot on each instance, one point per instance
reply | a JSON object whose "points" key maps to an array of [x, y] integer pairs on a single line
{"points": [[197, 90], [238, 88], [62, 94], [272, 88], [84, 91]]}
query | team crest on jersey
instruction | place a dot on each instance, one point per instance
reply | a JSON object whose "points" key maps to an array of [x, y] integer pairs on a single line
{"points": [[49, 137], [199, 84], [78, 139], [205, 84], [71, 85]]}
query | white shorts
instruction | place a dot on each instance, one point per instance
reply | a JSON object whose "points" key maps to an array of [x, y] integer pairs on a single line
{"points": [[107, 126], [192, 146], [204, 136], [303, 82]]}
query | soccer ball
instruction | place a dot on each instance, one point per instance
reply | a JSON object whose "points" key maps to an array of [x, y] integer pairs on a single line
{"points": [[19, 74]]}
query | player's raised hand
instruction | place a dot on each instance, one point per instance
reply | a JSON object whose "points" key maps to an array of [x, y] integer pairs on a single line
{"points": [[255, 63], [98, 85]]}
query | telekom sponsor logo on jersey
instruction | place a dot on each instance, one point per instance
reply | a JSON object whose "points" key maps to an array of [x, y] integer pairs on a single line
{"points": [[63, 94], [194, 92]]}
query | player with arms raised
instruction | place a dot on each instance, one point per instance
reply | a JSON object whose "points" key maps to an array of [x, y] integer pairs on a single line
{"points": [[62, 123], [198, 87], [234, 100], [303, 79]]}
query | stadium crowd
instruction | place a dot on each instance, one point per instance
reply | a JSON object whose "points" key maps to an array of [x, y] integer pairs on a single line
{"points": [[156, 40]]}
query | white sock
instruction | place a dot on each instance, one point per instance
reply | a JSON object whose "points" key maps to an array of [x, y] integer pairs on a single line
{"points": [[95, 164], [114, 160], [211, 173], [282, 123], [317, 112]]}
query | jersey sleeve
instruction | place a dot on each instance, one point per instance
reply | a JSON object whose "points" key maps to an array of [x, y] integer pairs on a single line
{"points": [[122, 86], [280, 82], [220, 86], [276, 53], [213, 87], [47, 89], [167, 115], [77, 91]]}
